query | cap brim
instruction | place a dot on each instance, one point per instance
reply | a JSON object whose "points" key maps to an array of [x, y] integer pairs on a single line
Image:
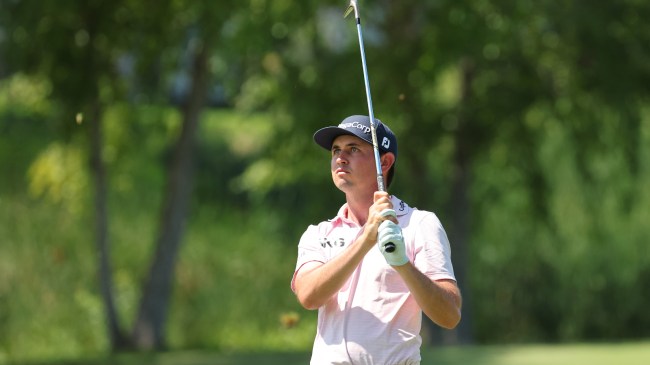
{"points": [[324, 137]]}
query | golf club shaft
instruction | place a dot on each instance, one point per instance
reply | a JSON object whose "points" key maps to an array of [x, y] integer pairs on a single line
{"points": [[389, 247], [371, 114]]}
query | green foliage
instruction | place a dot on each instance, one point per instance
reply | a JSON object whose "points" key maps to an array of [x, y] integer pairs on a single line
{"points": [[58, 174], [232, 288], [25, 96], [574, 266], [547, 101], [48, 289], [225, 279]]}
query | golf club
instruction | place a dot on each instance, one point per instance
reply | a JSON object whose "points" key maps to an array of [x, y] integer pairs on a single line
{"points": [[389, 247]]}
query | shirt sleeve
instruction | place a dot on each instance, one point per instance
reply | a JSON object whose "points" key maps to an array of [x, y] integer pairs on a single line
{"points": [[309, 249], [432, 250]]}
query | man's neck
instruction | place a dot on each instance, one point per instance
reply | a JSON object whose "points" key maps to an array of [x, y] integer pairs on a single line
{"points": [[358, 206]]}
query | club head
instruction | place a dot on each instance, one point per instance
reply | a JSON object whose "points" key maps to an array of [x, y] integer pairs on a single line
{"points": [[352, 6]]}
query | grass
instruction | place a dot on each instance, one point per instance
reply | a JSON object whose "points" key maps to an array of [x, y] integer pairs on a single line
{"points": [[628, 353]]}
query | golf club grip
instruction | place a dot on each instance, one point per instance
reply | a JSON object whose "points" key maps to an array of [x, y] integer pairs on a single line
{"points": [[389, 247]]}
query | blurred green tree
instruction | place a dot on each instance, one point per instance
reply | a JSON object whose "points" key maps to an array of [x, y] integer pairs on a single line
{"points": [[524, 126], [78, 46], [70, 45]]}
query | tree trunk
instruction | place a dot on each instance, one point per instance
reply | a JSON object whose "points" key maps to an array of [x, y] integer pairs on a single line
{"points": [[460, 205], [459, 228], [116, 337], [149, 328]]}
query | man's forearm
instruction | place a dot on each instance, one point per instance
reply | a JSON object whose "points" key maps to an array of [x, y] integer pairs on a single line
{"points": [[439, 300], [315, 285]]}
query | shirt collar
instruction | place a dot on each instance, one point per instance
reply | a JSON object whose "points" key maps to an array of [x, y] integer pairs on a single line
{"points": [[400, 206]]}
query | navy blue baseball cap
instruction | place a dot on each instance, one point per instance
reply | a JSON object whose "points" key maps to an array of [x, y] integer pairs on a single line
{"points": [[359, 126]]}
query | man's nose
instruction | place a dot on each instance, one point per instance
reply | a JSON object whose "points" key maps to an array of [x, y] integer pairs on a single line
{"points": [[342, 158]]}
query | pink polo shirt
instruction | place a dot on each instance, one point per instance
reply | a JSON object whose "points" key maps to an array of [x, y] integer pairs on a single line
{"points": [[373, 318]]}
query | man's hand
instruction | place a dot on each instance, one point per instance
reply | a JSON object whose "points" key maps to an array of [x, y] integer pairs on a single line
{"points": [[390, 232]]}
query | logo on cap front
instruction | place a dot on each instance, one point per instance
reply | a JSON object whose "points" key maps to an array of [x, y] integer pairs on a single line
{"points": [[364, 129]]}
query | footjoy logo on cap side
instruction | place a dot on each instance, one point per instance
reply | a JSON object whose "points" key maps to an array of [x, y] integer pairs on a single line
{"points": [[357, 125], [385, 143]]}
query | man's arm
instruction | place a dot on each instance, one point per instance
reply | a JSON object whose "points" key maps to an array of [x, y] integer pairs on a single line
{"points": [[440, 300], [316, 282]]}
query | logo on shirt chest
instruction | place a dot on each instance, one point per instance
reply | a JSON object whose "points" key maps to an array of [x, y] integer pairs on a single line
{"points": [[327, 242]]}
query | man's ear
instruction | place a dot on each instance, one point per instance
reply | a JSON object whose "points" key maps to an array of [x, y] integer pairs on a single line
{"points": [[387, 160]]}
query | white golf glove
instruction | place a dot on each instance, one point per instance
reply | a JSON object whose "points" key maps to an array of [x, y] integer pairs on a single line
{"points": [[390, 232]]}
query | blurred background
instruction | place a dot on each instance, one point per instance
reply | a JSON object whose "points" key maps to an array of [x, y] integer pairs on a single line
{"points": [[157, 165]]}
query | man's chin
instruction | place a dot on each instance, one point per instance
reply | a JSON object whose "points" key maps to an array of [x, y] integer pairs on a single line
{"points": [[342, 184]]}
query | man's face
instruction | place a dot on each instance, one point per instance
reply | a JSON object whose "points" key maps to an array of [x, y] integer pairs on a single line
{"points": [[353, 164]]}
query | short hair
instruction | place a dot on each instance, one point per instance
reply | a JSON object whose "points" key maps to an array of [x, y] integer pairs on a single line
{"points": [[390, 173], [389, 176]]}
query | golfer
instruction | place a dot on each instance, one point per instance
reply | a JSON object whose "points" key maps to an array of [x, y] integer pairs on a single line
{"points": [[370, 301]]}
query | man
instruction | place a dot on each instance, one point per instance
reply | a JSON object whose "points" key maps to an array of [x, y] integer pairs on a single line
{"points": [[370, 301]]}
